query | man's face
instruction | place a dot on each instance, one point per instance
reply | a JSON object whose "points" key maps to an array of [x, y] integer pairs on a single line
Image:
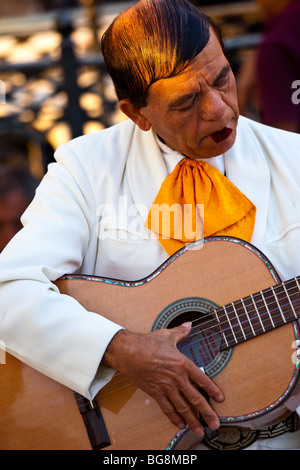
{"points": [[196, 111]]}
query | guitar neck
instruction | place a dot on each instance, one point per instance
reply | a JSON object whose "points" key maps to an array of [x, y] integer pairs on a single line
{"points": [[258, 313]]}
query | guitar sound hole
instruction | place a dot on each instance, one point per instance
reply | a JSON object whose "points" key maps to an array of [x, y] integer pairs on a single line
{"points": [[203, 344]]}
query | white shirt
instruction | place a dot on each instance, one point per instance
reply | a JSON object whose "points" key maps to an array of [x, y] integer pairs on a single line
{"points": [[172, 158]]}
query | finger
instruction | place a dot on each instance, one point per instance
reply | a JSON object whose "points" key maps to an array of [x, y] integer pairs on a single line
{"points": [[191, 420], [208, 414], [180, 332], [202, 381], [171, 413], [180, 413], [188, 414], [200, 406]]}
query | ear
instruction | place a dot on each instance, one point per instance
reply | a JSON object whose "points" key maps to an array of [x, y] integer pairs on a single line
{"points": [[134, 114]]}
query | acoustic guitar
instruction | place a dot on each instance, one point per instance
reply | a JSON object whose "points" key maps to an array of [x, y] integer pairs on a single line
{"points": [[245, 336]]}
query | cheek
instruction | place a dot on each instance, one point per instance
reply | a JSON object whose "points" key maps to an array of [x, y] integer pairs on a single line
{"points": [[231, 95], [176, 128]]}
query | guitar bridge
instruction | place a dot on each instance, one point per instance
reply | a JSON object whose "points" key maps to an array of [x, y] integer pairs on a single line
{"points": [[93, 420]]}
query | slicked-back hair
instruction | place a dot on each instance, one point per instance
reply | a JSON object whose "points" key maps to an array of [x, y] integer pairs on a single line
{"points": [[153, 40]]}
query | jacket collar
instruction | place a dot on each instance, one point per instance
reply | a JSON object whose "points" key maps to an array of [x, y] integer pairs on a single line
{"points": [[146, 169]]}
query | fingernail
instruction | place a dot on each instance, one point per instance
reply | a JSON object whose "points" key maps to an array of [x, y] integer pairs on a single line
{"points": [[199, 432], [214, 425], [187, 324]]}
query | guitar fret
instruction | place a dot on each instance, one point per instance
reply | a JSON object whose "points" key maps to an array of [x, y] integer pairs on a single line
{"points": [[223, 333], [265, 312], [237, 317], [267, 309], [257, 312], [278, 304], [253, 316], [260, 312], [235, 322], [250, 323], [285, 300], [230, 325], [244, 320], [288, 297], [295, 296], [288, 303], [264, 324]]}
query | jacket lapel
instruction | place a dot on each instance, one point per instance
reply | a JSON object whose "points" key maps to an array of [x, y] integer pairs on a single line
{"points": [[247, 169], [146, 170]]}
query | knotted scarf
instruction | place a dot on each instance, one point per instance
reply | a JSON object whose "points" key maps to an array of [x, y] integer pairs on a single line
{"points": [[196, 200]]}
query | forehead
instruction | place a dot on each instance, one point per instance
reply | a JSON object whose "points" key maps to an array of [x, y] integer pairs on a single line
{"points": [[204, 69]]}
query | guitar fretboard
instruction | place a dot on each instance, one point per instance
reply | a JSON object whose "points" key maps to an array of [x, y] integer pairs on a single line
{"points": [[258, 313]]}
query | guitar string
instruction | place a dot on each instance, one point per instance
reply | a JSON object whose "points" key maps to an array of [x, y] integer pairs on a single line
{"points": [[218, 324], [238, 328], [212, 320], [124, 378], [252, 309], [249, 311], [121, 377], [234, 323]]}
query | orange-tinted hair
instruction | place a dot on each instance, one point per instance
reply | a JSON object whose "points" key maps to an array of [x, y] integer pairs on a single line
{"points": [[152, 40]]}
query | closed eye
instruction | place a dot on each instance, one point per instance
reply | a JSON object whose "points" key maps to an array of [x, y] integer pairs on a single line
{"points": [[221, 82], [223, 78], [187, 103], [184, 102]]}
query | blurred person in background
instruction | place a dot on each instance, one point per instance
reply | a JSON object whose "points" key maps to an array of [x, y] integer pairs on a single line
{"points": [[17, 182], [265, 81], [31, 7], [19, 7], [17, 189]]}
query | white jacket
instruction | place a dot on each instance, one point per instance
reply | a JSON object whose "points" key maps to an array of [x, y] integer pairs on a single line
{"points": [[64, 233]]}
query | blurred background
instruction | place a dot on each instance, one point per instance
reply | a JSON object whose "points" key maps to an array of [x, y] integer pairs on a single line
{"points": [[53, 85]]}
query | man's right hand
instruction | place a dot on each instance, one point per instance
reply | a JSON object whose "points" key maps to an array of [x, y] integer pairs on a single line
{"points": [[155, 365]]}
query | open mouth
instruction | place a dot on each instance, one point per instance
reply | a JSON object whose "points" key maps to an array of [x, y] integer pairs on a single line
{"points": [[220, 136]]}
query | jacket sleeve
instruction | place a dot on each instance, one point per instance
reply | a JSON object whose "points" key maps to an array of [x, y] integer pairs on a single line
{"points": [[49, 331]]}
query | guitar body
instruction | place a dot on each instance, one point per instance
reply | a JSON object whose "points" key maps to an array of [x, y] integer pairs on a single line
{"points": [[259, 377]]}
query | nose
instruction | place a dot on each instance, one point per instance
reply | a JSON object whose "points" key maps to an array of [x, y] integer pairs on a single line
{"points": [[212, 105]]}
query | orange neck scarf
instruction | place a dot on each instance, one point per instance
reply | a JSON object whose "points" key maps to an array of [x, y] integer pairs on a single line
{"points": [[196, 200]]}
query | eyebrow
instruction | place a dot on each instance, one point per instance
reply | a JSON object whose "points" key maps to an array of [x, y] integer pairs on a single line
{"points": [[184, 98]]}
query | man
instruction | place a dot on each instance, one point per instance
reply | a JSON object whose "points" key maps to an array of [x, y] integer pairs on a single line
{"points": [[179, 93]]}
